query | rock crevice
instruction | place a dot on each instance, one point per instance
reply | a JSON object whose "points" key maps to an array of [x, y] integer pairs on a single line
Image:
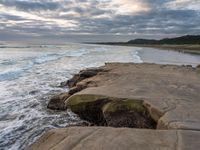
{"points": [[115, 112]]}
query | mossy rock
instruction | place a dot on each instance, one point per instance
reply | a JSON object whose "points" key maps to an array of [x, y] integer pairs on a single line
{"points": [[88, 107], [82, 100], [108, 111], [124, 104]]}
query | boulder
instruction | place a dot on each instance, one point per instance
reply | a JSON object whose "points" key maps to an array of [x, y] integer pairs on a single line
{"points": [[57, 102]]}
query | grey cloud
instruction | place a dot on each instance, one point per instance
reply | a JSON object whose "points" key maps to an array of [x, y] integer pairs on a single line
{"points": [[11, 17], [158, 21], [30, 5]]}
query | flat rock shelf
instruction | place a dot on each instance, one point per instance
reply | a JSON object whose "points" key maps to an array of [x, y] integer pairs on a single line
{"points": [[129, 106]]}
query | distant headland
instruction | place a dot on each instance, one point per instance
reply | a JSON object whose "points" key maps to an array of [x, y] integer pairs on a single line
{"points": [[187, 43]]}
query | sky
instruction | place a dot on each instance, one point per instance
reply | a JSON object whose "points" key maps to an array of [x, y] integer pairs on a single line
{"points": [[96, 20]]}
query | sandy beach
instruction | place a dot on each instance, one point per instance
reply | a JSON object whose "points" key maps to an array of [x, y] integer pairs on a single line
{"points": [[195, 49]]}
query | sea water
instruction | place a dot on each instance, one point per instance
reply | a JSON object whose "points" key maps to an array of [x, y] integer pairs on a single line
{"points": [[31, 74]]}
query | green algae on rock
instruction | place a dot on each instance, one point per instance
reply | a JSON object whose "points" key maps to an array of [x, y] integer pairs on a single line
{"points": [[88, 107], [109, 111]]}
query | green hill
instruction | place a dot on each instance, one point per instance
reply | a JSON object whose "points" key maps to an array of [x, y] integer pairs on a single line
{"points": [[188, 39]]}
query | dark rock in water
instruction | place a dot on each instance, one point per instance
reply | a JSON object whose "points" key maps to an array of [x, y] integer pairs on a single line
{"points": [[63, 84], [33, 92], [72, 82], [198, 66], [58, 102], [82, 75]]}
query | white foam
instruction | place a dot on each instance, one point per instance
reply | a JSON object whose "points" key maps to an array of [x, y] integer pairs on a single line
{"points": [[136, 57]]}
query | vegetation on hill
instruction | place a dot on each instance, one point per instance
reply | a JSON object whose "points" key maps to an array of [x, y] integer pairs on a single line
{"points": [[187, 43], [188, 39]]}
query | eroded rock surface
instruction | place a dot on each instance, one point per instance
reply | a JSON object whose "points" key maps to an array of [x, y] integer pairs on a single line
{"points": [[107, 111], [170, 93], [150, 96]]}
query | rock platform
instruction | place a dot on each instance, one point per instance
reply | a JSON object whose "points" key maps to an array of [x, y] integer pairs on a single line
{"points": [[133, 106]]}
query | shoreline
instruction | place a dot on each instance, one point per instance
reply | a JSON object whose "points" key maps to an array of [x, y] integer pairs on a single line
{"points": [[193, 49], [118, 98], [180, 48]]}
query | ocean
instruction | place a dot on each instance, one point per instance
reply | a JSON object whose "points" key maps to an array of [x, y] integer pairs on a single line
{"points": [[31, 74]]}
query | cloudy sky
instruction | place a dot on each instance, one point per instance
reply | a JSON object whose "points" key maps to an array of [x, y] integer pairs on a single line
{"points": [[97, 20]]}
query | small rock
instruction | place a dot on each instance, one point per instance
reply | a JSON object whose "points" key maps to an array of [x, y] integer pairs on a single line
{"points": [[63, 84], [33, 92]]}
